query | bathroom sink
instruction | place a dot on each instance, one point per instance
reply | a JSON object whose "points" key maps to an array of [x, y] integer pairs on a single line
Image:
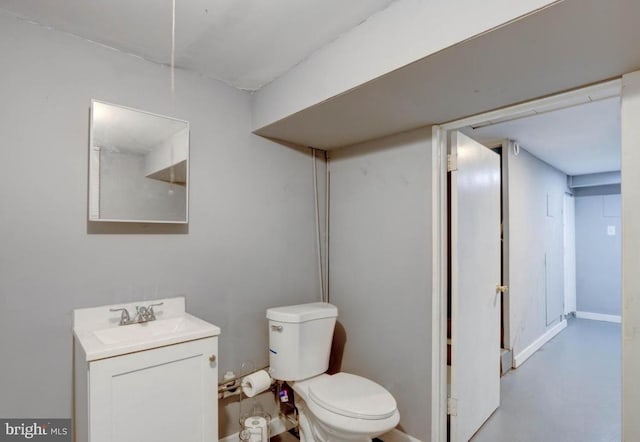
{"points": [[101, 336], [148, 330]]}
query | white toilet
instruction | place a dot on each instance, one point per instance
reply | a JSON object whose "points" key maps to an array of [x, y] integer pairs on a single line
{"points": [[341, 407]]}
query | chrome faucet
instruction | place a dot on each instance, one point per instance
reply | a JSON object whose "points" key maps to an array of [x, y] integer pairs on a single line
{"points": [[143, 314], [125, 319]]}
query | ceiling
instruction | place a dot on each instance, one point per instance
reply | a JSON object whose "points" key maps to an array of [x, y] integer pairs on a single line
{"points": [[245, 43], [577, 140]]}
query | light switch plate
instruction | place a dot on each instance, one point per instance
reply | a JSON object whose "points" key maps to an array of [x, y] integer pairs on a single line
{"points": [[611, 230]]}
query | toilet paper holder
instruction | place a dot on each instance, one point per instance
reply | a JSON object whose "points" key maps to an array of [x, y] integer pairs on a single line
{"points": [[256, 383], [254, 422]]}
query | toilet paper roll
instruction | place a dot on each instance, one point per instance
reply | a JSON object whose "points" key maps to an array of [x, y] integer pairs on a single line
{"points": [[256, 383], [256, 429]]}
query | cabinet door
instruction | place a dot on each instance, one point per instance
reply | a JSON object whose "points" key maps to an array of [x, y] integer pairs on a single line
{"points": [[167, 394]]}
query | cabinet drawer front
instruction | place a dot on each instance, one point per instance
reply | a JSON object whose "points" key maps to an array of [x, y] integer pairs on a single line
{"points": [[164, 394]]}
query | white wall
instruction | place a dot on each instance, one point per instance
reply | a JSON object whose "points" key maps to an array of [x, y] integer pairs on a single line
{"points": [[406, 31], [380, 267], [251, 238], [536, 289], [598, 254], [630, 257]]}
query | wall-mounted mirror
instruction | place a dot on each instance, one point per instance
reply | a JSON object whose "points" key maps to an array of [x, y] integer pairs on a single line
{"points": [[139, 166]]}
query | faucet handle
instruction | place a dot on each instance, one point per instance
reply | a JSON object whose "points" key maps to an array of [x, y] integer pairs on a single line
{"points": [[150, 307], [124, 317], [142, 314]]}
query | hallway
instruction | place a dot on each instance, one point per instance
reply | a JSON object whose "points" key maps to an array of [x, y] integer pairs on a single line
{"points": [[567, 391]]}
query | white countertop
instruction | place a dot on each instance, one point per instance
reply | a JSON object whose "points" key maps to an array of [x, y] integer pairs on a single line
{"points": [[98, 331]]}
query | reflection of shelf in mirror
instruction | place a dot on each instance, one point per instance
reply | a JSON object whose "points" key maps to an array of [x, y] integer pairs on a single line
{"points": [[178, 176]]}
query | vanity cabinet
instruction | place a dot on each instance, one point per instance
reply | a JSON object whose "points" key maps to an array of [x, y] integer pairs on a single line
{"points": [[164, 394]]}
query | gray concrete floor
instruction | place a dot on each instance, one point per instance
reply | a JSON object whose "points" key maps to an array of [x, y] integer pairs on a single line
{"points": [[567, 391]]}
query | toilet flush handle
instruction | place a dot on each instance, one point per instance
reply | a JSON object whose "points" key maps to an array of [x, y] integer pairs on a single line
{"points": [[277, 328]]}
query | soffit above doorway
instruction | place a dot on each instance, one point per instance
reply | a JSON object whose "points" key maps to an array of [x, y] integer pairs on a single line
{"points": [[562, 47]]}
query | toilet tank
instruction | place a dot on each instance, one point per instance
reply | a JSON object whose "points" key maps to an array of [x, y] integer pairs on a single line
{"points": [[300, 340]]}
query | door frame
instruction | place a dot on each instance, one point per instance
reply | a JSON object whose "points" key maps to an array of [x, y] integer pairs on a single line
{"points": [[596, 92]]}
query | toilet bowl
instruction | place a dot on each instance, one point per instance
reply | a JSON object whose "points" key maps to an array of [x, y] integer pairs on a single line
{"points": [[331, 408], [343, 407]]}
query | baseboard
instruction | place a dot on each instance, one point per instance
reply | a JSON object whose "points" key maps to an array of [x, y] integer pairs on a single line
{"points": [[525, 354], [277, 426], [599, 317], [397, 436]]}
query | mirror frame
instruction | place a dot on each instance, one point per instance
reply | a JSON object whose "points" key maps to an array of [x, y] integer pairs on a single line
{"points": [[94, 171]]}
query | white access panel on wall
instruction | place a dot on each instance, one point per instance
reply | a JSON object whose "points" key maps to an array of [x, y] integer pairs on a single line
{"points": [[475, 275]]}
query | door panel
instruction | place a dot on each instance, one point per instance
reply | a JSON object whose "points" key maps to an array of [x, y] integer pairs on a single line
{"points": [[553, 270], [569, 214], [475, 274]]}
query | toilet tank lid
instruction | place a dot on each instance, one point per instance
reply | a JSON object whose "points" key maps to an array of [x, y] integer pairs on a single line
{"points": [[302, 312]]}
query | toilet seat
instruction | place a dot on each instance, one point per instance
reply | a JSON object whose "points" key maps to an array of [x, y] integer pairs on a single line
{"points": [[328, 415], [352, 396]]}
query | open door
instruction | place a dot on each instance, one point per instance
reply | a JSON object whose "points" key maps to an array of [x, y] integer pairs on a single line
{"points": [[475, 291]]}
